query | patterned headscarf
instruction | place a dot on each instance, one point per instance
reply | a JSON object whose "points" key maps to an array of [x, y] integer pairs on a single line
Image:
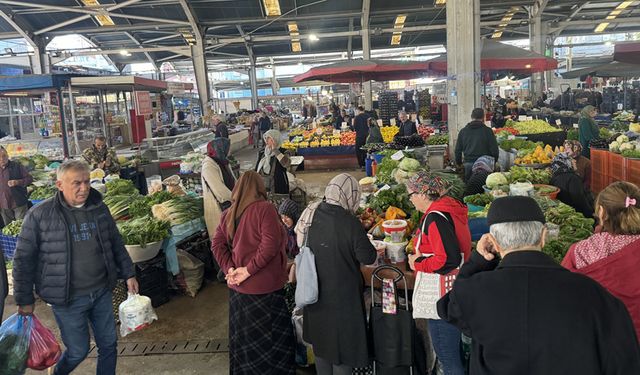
{"points": [[484, 164], [343, 190], [562, 163], [427, 183], [573, 148]]}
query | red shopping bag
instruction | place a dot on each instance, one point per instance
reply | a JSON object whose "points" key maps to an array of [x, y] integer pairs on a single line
{"points": [[44, 350]]}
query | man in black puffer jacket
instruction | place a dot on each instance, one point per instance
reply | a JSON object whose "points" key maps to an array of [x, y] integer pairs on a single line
{"points": [[70, 249], [475, 140]]}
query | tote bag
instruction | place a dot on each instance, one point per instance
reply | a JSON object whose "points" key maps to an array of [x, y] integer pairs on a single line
{"points": [[306, 276], [430, 287]]}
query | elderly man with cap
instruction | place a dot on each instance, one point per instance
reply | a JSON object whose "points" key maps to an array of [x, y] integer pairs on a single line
{"points": [[528, 315]]}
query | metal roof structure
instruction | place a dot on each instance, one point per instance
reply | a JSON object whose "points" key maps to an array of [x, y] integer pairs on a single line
{"points": [[158, 31]]}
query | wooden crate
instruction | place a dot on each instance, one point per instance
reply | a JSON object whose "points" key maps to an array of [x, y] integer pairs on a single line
{"points": [[599, 181]]}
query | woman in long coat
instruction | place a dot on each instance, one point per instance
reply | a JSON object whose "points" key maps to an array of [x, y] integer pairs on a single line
{"points": [[336, 324], [273, 164], [217, 183]]}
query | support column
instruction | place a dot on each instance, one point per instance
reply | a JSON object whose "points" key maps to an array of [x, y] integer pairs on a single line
{"points": [[366, 51], [198, 56], [253, 82], [463, 64], [538, 42]]}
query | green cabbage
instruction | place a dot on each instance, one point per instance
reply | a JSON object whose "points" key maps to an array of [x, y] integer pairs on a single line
{"points": [[409, 165], [496, 179]]}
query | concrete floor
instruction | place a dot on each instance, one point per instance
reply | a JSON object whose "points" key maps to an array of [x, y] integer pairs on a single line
{"points": [[184, 318]]}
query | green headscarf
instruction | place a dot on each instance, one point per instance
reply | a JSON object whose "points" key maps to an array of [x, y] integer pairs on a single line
{"points": [[586, 111]]}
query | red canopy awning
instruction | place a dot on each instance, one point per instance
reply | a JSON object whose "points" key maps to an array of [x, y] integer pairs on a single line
{"points": [[627, 52], [369, 70], [499, 57]]}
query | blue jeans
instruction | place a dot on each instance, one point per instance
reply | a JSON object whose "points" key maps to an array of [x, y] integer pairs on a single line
{"points": [[446, 342], [95, 309]]}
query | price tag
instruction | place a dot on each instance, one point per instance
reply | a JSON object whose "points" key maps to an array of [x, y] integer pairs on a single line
{"points": [[397, 156], [529, 118], [436, 131], [620, 106], [522, 118], [380, 123], [344, 124], [558, 122], [393, 122], [385, 187], [575, 126]]}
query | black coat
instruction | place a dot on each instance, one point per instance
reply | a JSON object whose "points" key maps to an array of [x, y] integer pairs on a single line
{"points": [[573, 192], [407, 128], [530, 316], [18, 193], [476, 140], [475, 183], [361, 128], [4, 283], [336, 324], [43, 252]]}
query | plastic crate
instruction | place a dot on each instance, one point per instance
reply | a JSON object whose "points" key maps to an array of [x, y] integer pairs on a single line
{"points": [[8, 245], [617, 167], [152, 273], [633, 171], [600, 161], [158, 295], [598, 181], [478, 227]]}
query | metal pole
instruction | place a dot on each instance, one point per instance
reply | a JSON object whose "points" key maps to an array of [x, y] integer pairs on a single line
{"points": [[63, 126], [102, 116], [73, 120]]}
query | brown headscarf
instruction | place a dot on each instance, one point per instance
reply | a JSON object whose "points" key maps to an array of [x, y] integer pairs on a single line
{"points": [[249, 189]]}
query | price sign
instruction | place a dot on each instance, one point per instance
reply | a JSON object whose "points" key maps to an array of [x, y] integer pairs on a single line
{"points": [[393, 122], [575, 126], [558, 122], [397, 156], [522, 118]]}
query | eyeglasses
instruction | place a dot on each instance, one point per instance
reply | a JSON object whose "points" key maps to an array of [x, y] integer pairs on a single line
{"points": [[412, 194]]}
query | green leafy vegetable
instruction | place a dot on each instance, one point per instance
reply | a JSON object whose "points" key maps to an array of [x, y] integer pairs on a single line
{"points": [[43, 192], [13, 228], [574, 227], [143, 231], [119, 205], [535, 176], [142, 205], [121, 187], [479, 199], [179, 210], [397, 196]]}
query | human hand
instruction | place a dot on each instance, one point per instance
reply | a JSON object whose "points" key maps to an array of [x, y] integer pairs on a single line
{"points": [[132, 285], [412, 260], [238, 276], [26, 309], [12, 183], [485, 248]]}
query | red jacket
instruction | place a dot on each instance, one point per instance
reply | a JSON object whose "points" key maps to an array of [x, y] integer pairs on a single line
{"points": [[442, 239], [618, 272], [259, 244]]}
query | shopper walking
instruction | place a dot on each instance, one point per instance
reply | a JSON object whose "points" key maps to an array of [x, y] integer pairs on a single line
{"points": [[14, 179], [572, 190], [264, 123], [474, 141], [221, 128], [480, 170], [587, 129], [527, 314], [407, 127], [255, 131], [361, 127], [70, 249], [249, 245], [582, 164], [444, 242], [612, 257], [273, 164], [217, 184], [336, 324]]}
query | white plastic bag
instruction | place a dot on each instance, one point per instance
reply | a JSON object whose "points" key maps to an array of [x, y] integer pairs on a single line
{"points": [[136, 313]]}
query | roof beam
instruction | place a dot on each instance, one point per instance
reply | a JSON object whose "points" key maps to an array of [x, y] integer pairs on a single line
{"points": [[184, 51], [91, 12], [193, 21], [159, 39], [350, 41], [147, 27], [563, 25], [137, 42], [81, 18], [571, 16], [22, 29]]}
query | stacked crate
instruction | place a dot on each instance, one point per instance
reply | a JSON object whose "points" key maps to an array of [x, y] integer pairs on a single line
{"points": [[388, 103]]}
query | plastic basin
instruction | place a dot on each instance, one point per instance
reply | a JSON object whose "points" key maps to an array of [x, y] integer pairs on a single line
{"points": [[474, 208], [396, 229], [553, 195], [142, 254]]}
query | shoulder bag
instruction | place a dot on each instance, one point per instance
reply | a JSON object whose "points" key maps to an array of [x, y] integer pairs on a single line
{"points": [[306, 275]]}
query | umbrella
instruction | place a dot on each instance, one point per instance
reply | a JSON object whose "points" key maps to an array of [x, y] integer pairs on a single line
{"points": [[612, 69], [627, 52], [500, 57], [366, 70]]}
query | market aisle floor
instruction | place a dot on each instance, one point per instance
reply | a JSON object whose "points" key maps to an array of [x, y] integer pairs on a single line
{"points": [[185, 318]]}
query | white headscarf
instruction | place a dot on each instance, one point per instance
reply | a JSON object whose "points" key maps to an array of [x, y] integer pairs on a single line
{"points": [[264, 165], [343, 191]]}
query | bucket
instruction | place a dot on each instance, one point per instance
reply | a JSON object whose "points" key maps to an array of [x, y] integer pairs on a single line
{"points": [[396, 251], [378, 158], [367, 166], [396, 229]]}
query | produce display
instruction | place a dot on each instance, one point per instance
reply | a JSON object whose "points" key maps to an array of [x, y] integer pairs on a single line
{"points": [[438, 140], [535, 176], [40, 161], [388, 132], [523, 146], [119, 204], [573, 134], [633, 154], [142, 231], [142, 205], [606, 133], [479, 199], [26, 162], [179, 210], [496, 179], [457, 186], [621, 144], [406, 168], [13, 228], [43, 192], [121, 187], [539, 155], [424, 103], [425, 131], [396, 196], [505, 131], [599, 143], [410, 141], [574, 227], [386, 167], [533, 127], [625, 116], [325, 139]]}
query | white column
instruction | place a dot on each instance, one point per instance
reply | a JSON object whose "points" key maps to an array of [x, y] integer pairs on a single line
{"points": [[366, 51], [199, 59], [253, 83], [463, 64], [538, 42]]}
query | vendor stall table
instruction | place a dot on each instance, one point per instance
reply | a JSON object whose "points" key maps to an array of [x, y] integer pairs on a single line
{"points": [[336, 157]]}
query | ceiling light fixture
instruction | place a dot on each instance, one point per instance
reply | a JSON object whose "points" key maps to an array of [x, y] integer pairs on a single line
{"points": [[102, 19], [601, 27], [272, 7], [294, 33], [313, 37], [440, 3], [504, 22]]}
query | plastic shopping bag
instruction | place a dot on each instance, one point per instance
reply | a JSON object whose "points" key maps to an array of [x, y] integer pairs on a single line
{"points": [[44, 350], [14, 345], [136, 313]]}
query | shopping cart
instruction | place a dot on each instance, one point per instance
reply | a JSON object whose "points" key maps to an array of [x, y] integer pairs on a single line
{"points": [[392, 334]]}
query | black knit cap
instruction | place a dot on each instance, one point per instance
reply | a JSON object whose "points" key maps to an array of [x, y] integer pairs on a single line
{"points": [[289, 208], [514, 209]]}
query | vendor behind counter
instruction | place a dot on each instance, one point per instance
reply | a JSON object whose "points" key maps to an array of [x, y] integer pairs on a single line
{"points": [[101, 156]]}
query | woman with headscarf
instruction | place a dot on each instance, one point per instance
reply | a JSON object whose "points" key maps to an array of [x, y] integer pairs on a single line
{"points": [[583, 165], [480, 170], [273, 164], [375, 135], [336, 324], [572, 190], [249, 245], [444, 240], [217, 183], [587, 129]]}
